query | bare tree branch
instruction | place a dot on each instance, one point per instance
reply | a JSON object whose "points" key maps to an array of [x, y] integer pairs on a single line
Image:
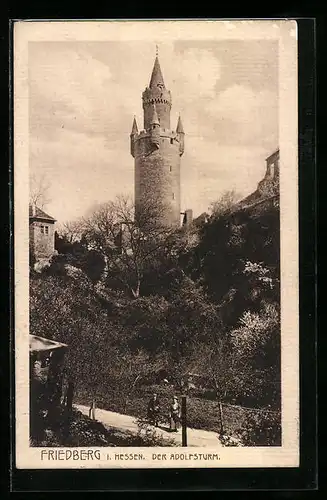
{"points": [[39, 190], [128, 243]]}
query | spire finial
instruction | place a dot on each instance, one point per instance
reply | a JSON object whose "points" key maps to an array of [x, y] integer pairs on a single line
{"points": [[157, 51], [134, 127]]}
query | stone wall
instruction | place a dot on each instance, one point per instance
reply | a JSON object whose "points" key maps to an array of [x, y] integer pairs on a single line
{"points": [[157, 176], [42, 240]]}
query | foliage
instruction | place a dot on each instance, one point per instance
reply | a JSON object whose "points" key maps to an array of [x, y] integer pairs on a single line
{"points": [[128, 244], [150, 437], [225, 203], [77, 254], [261, 429], [229, 440], [139, 305]]}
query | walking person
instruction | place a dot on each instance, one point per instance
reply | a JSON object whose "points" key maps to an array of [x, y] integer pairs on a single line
{"points": [[153, 410], [175, 415]]}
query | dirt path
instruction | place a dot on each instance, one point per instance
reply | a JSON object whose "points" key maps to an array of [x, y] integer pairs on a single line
{"points": [[195, 437]]}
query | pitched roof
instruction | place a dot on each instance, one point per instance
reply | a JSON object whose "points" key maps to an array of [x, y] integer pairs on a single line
{"points": [[180, 128], [134, 128], [43, 344], [274, 154], [39, 214], [156, 76]]}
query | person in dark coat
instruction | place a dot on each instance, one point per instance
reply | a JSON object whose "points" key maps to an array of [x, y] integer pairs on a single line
{"points": [[153, 410], [175, 414]]}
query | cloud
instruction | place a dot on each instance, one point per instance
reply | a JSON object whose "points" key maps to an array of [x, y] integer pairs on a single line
{"points": [[195, 73], [82, 100], [247, 116], [69, 88], [81, 170], [240, 102], [217, 168]]}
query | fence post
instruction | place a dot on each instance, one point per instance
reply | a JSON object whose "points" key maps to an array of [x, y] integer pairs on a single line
{"points": [[184, 428], [221, 419], [92, 410]]}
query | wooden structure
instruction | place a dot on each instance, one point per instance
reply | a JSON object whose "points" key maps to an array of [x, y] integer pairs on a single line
{"points": [[46, 364]]}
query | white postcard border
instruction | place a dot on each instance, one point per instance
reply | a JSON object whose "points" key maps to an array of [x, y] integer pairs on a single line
{"points": [[166, 31]]}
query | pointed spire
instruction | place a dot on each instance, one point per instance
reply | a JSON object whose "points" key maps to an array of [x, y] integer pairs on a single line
{"points": [[155, 119], [156, 77], [180, 129], [134, 128]]}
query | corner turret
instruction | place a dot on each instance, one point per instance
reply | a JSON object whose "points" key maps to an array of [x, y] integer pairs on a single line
{"points": [[154, 120], [180, 135], [133, 134], [155, 127]]}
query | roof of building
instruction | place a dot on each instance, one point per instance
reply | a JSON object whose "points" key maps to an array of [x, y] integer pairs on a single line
{"points": [[156, 77], [275, 153], [134, 127], [37, 213], [38, 344]]}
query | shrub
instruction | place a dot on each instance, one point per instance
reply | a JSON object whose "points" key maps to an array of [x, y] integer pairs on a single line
{"points": [[261, 429], [229, 440], [150, 437]]}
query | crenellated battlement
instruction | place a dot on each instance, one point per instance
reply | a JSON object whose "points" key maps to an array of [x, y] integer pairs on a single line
{"points": [[156, 100], [170, 134]]}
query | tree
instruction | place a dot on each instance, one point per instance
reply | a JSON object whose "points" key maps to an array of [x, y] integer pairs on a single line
{"points": [[222, 206], [39, 190], [128, 243], [71, 231], [66, 310]]}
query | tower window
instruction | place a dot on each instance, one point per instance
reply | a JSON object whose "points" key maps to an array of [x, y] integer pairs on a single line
{"points": [[42, 229], [46, 229], [170, 169], [173, 196], [171, 141]]}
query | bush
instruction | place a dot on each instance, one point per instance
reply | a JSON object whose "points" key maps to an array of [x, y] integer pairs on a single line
{"points": [[149, 436], [261, 429]]}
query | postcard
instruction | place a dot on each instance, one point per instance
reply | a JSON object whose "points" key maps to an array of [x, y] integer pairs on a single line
{"points": [[156, 244]]}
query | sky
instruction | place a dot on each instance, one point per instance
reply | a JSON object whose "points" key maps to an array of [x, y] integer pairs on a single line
{"points": [[83, 97]]}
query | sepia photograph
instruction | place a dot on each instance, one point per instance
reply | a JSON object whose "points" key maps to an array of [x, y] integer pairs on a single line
{"points": [[156, 243]]}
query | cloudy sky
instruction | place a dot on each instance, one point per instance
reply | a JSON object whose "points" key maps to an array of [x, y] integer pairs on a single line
{"points": [[83, 96]]}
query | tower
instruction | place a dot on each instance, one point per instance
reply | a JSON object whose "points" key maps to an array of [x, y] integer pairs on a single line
{"points": [[157, 152]]}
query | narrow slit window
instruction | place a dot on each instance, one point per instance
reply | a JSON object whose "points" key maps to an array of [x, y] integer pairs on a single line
{"points": [[170, 168], [42, 229], [46, 229], [171, 141], [173, 196]]}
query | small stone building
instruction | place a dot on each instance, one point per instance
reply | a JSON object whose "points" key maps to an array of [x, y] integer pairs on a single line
{"points": [[41, 234]]}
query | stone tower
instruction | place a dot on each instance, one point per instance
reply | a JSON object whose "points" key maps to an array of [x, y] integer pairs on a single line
{"points": [[157, 151]]}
